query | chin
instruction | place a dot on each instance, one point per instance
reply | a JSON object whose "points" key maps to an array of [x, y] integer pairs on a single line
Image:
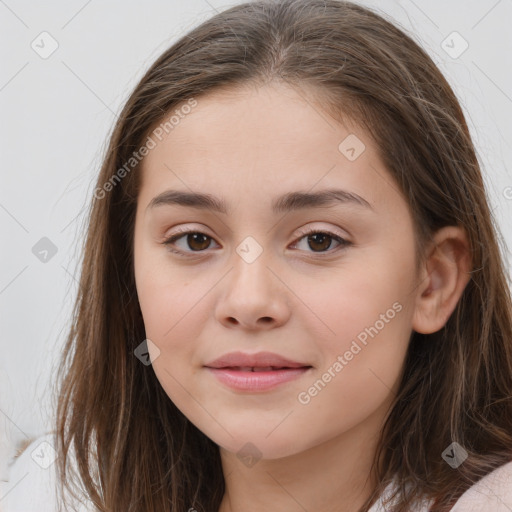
{"points": [[258, 444]]}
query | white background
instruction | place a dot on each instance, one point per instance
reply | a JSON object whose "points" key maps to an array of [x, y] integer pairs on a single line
{"points": [[57, 112]]}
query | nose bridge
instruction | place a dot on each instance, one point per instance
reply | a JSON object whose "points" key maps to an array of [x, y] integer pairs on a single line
{"points": [[250, 250], [251, 261], [252, 296]]}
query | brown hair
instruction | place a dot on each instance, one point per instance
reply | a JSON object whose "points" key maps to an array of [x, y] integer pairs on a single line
{"points": [[134, 449]]}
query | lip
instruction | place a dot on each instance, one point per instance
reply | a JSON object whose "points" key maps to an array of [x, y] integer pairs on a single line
{"points": [[256, 381], [256, 360], [237, 370]]}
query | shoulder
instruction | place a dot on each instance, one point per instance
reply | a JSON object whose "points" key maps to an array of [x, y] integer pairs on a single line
{"points": [[31, 484], [493, 493], [384, 502]]}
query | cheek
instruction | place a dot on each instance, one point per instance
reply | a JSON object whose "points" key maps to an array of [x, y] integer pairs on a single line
{"points": [[170, 298], [173, 311], [174, 314], [363, 300], [175, 305], [361, 364], [368, 314]]}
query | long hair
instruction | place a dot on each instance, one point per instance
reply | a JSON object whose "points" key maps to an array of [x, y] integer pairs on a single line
{"points": [[134, 450]]}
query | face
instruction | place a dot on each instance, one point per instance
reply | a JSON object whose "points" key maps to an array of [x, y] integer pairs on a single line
{"points": [[327, 284]]}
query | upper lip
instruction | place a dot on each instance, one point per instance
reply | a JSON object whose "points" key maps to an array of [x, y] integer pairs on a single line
{"points": [[258, 360]]}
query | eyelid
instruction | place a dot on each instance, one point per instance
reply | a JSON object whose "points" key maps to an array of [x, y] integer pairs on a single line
{"points": [[301, 231], [313, 229]]}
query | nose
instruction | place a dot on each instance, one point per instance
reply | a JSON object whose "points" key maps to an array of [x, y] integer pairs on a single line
{"points": [[252, 297]]}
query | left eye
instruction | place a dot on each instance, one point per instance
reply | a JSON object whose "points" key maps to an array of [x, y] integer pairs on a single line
{"points": [[322, 240], [198, 242]]}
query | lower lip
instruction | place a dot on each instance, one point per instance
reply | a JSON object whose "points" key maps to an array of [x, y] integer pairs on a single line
{"points": [[256, 381]]}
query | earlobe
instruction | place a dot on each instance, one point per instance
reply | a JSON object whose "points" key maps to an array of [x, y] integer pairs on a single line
{"points": [[444, 277]]}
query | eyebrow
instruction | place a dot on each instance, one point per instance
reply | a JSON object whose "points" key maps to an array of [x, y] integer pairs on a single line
{"points": [[290, 201]]}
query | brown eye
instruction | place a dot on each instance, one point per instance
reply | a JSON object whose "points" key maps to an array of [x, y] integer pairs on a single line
{"points": [[320, 241], [193, 241], [198, 241]]}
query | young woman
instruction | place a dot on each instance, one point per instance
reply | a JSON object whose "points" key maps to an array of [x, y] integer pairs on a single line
{"points": [[292, 295]]}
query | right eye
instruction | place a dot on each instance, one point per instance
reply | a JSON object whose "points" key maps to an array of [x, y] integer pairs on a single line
{"points": [[194, 240]]}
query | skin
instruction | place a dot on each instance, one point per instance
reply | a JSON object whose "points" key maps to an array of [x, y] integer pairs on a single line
{"points": [[307, 302]]}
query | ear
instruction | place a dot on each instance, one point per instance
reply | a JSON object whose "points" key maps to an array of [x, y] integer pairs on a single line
{"points": [[443, 277]]}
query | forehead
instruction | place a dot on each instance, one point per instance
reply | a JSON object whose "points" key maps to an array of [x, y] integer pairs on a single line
{"points": [[246, 120], [267, 140]]}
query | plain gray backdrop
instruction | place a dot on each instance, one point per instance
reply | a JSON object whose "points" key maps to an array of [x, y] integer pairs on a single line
{"points": [[67, 69]]}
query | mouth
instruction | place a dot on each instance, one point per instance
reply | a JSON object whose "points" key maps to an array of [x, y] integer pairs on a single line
{"points": [[258, 368], [254, 372], [257, 378]]}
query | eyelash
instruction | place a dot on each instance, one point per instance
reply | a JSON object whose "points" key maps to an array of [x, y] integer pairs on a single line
{"points": [[308, 232]]}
